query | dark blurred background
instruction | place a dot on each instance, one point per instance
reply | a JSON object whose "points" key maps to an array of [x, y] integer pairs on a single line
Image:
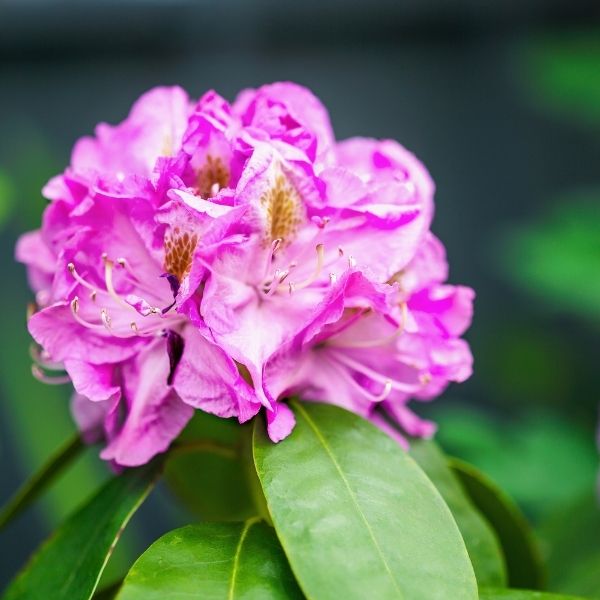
{"points": [[500, 100]]}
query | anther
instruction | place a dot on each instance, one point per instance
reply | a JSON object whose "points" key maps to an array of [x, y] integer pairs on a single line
{"points": [[106, 320]]}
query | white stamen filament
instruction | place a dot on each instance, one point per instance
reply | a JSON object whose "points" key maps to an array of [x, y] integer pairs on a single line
{"points": [[387, 387], [320, 248], [374, 375], [108, 269], [134, 280], [375, 343], [75, 313], [79, 279], [41, 376], [41, 358]]}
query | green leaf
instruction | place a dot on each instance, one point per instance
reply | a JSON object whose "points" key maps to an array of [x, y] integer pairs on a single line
{"points": [[500, 594], [205, 471], [69, 564], [356, 515], [546, 258], [556, 456], [522, 555], [561, 73], [213, 560], [41, 480], [481, 541], [572, 543], [108, 592]]}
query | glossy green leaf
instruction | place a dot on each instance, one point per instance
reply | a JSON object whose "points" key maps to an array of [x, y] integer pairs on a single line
{"points": [[521, 552], [504, 594], [213, 560], [69, 564], [481, 541], [205, 471], [356, 515], [41, 480]]}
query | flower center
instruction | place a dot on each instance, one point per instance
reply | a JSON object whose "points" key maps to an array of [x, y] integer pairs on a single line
{"points": [[283, 210], [212, 176], [179, 251]]}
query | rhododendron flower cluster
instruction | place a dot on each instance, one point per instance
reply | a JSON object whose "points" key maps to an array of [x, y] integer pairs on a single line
{"points": [[223, 257]]}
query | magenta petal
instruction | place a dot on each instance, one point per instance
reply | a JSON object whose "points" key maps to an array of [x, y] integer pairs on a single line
{"points": [[55, 329], [280, 422], [156, 414], [92, 381]]}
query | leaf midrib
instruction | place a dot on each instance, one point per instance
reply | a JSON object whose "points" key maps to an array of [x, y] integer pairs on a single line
{"points": [[238, 551], [323, 441]]}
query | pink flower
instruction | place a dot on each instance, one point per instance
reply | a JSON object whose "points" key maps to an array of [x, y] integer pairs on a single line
{"points": [[221, 257]]}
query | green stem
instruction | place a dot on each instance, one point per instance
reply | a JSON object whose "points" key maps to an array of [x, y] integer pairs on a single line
{"points": [[35, 486]]}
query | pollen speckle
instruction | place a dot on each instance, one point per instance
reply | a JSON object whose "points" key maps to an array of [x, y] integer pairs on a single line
{"points": [[212, 173], [283, 210], [179, 250]]}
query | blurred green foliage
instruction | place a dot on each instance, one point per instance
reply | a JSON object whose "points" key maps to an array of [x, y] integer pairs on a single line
{"points": [[557, 259], [562, 74], [542, 460]]}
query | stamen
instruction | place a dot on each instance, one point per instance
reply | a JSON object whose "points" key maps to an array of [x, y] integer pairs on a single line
{"points": [[275, 245], [41, 376], [106, 320], [320, 248], [387, 389], [133, 279], [351, 262], [376, 342], [87, 324], [332, 278], [79, 279], [42, 359], [108, 269], [374, 375]]}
